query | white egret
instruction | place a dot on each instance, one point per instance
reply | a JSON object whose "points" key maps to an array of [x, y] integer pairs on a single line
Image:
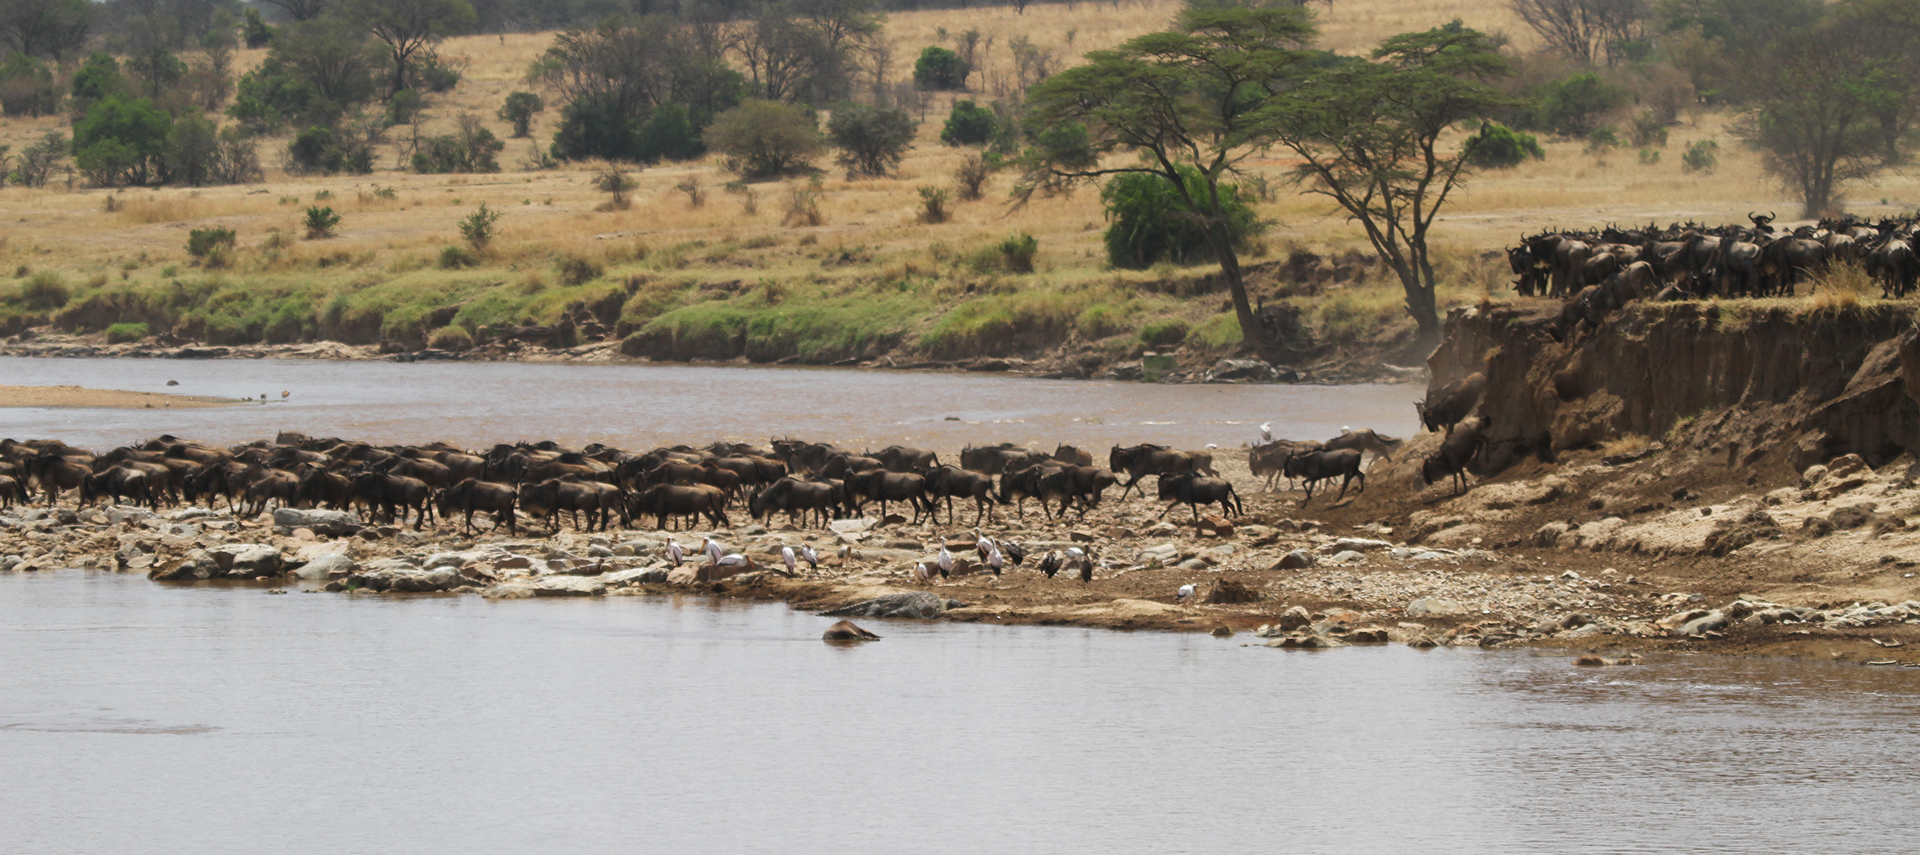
{"points": [[1186, 591], [1266, 433]]}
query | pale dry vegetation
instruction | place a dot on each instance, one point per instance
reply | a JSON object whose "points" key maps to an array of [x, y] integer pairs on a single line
{"points": [[870, 246]]}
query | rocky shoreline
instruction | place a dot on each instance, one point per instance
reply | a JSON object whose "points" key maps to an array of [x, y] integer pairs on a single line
{"points": [[1292, 577]]}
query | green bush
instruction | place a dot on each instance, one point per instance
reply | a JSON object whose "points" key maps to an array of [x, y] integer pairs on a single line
{"points": [[124, 333], [1602, 138], [330, 150], [1702, 156], [254, 30], [436, 75], [763, 139], [872, 140], [27, 88], [450, 337], [933, 205], [471, 149], [477, 227], [456, 258], [321, 222], [940, 69], [201, 242], [1575, 106], [968, 124], [1497, 146], [1149, 221], [518, 111], [1647, 131], [122, 141], [575, 270], [1017, 252], [44, 291], [669, 134], [1167, 333]]}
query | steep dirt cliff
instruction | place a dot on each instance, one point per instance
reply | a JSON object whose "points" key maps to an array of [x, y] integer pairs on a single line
{"points": [[1770, 389]]}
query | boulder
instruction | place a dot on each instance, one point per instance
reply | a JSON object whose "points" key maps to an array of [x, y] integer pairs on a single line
{"points": [[247, 560], [568, 586], [401, 578], [1372, 635], [1227, 591], [1355, 544], [329, 523], [126, 514], [1229, 370], [1306, 642], [1709, 622], [197, 565], [331, 565], [1294, 618], [913, 604], [1435, 607], [847, 630], [1298, 559], [638, 576]]}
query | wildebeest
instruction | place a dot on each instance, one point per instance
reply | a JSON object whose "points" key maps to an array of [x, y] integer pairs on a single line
{"points": [[1456, 452], [882, 486], [678, 500], [119, 483], [1455, 401], [1040, 481], [901, 458], [1313, 467], [799, 499], [1269, 460], [1075, 456], [12, 490], [393, 495], [1187, 488], [57, 473], [948, 481], [472, 494], [1366, 442], [998, 459], [1139, 461]]}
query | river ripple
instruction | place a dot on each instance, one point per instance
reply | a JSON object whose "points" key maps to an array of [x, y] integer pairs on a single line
{"points": [[140, 718]]}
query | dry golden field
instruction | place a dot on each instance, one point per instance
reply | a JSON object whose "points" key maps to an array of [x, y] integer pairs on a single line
{"points": [[870, 240]]}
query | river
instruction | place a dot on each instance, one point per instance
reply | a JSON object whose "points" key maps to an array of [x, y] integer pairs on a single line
{"points": [[141, 718], [641, 406]]}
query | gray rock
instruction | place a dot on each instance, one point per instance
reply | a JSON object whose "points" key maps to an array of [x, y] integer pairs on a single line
{"points": [[197, 565], [247, 560], [125, 514], [1294, 618], [1435, 607], [913, 604], [1298, 559], [1709, 622], [569, 586], [1355, 544], [1241, 369], [332, 565], [1347, 557], [647, 576], [329, 523], [404, 579]]}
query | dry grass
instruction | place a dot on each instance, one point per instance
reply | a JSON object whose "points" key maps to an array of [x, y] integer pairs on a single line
{"points": [[1632, 443], [869, 231]]}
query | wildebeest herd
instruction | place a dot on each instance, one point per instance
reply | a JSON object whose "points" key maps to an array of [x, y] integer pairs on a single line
{"points": [[1605, 268], [595, 486]]}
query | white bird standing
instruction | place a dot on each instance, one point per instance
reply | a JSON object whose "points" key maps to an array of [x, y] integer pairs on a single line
{"points": [[995, 560], [982, 543], [1266, 433], [921, 573], [674, 553], [713, 549], [1186, 591], [786, 557], [808, 555], [945, 562]]}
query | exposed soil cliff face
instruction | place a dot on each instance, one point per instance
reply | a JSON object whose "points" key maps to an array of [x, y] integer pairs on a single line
{"points": [[1773, 389]]}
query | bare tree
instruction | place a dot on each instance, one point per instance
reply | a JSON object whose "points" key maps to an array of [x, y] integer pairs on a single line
{"points": [[1584, 29]]}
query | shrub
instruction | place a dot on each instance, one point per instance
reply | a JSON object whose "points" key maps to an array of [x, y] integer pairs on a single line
{"points": [[933, 205], [122, 141], [1575, 106], [1167, 333], [696, 195], [1017, 252], [1647, 131], [872, 140], [37, 162], [763, 139], [1601, 139], [1498, 147], [450, 337], [518, 111], [124, 333], [940, 69], [472, 149], [201, 242], [968, 124], [457, 257], [615, 183], [437, 75], [26, 87], [321, 222], [803, 204], [971, 176], [44, 291], [254, 30], [1148, 221], [595, 128], [477, 227], [575, 270], [669, 134], [1649, 157], [1702, 156], [330, 150]]}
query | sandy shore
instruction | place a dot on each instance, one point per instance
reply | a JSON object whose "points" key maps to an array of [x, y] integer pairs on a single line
{"points": [[80, 397]]}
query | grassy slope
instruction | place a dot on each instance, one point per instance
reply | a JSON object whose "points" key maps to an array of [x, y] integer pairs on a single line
{"points": [[717, 278]]}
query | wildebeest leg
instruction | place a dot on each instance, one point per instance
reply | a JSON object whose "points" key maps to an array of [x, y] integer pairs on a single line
{"points": [[1363, 480], [1163, 514]]}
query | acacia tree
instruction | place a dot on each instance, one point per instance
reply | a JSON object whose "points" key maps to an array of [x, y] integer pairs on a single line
{"points": [[1583, 29], [406, 26], [45, 28], [1817, 126], [1368, 137], [1196, 97]]}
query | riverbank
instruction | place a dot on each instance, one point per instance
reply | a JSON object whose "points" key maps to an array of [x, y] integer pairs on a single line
{"points": [[1371, 568], [80, 397]]}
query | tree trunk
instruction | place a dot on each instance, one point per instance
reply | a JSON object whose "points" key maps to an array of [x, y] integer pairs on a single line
{"points": [[1250, 330]]}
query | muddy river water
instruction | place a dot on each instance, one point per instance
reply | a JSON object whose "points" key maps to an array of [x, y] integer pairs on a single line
{"points": [[145, 718]]}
